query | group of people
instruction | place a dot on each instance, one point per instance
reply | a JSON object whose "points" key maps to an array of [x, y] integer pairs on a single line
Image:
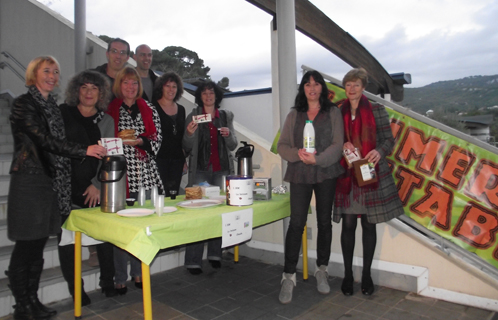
{"points": [[57, 159], [357, 125]]}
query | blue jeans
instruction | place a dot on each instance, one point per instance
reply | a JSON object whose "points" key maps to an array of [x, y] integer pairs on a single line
{"points": [[300, 197], [121, 258], [194, 251]]}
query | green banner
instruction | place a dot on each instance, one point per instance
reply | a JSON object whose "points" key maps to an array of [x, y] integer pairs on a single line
{"points": [[446, 184]]}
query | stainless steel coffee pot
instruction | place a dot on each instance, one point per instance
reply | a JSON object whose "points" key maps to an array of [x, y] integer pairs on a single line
{"points": [[112, 176], [244, 159]]}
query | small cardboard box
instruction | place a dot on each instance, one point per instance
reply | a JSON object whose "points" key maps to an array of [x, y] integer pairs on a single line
{"points": [[351, 156], [364, 172], [211, 191], [262, 188]]}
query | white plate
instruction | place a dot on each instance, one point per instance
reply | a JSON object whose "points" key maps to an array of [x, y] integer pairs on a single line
{"points": [[219, 198], [168, 209], [138, 212], [198, 203]]}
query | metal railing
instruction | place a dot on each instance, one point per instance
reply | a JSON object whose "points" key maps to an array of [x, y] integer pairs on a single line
{"points": [[9, 56], [4, 64]]}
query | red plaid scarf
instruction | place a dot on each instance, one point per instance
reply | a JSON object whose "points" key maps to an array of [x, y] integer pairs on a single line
{"points": [[362, 134]]}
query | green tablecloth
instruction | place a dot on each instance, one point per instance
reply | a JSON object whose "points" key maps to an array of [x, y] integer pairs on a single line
{"points": [[171, 229]]}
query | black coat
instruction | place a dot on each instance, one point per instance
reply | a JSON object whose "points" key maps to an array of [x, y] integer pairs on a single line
{"points": [[34, 146]]}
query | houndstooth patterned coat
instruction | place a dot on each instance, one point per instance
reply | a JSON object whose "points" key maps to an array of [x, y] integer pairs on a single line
{"points": [[141, 170]]}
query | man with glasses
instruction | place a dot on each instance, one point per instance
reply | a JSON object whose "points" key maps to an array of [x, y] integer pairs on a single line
{"points": [[143, 57], [118, 53]]}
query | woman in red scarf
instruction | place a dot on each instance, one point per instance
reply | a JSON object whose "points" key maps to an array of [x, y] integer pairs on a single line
{"points": [[367, 128], [130, 111]]}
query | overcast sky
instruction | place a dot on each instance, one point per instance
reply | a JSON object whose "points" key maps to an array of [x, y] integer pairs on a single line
{"points": [[433, 40]]}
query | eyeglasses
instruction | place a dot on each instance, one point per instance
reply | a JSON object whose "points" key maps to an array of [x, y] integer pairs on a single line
{"points": [[122, 52]]}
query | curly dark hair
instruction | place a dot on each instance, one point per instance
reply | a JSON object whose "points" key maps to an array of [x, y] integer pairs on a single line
{"points": [[92, 77], [208, 85], [301, 102], [162, 80]]}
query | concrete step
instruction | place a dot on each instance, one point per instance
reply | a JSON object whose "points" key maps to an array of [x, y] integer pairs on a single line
{"points": [[53, 287], [50, 254], [4, 185], [3, 209], [6, 139], [5, 162], [4, 242], [4, 105]]}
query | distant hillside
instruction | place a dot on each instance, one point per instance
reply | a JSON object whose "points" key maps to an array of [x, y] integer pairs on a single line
{"points": [[467, 94]]}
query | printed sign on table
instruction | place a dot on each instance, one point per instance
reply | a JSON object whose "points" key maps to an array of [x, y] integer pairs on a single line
{"points": [[236, 228]]}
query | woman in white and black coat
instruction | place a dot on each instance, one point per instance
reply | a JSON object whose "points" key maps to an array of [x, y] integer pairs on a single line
{"points": [[130, 111]]}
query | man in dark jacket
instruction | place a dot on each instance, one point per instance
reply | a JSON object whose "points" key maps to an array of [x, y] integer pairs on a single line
{"points": [[143, 57], [118, 53]]}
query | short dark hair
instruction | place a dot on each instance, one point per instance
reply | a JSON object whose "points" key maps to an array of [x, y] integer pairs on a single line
{"points": [[122, 41], [208, 85], [93, 77], [301, 102], [162, 80]]}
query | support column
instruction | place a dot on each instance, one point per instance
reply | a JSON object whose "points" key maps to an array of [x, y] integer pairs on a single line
{"points": [[286, 66], [79, 35]]}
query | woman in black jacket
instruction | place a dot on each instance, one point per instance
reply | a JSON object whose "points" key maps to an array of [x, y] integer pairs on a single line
{"points": [[85, 121], [40, 183]]}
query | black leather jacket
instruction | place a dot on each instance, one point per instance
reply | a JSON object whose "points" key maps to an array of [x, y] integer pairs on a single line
{"points": [[34, 146]]}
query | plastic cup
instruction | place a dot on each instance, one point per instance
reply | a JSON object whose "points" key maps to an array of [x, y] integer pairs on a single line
{"points": [[160, 204]]}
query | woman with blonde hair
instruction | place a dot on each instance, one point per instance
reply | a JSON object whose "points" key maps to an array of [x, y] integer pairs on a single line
{"points": [[130, 111], [40, 187], [366, 128]]}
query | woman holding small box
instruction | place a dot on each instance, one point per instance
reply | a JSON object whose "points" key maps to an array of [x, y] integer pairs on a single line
{"points": [[208, 144], [366, 128]]}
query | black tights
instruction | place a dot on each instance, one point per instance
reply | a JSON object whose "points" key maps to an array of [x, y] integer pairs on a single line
{"points": [[369, 239], [27, 251]]}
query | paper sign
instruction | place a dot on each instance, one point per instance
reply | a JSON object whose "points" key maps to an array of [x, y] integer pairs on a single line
{"points": [[202, 118], [113, 145], [236, 228]]}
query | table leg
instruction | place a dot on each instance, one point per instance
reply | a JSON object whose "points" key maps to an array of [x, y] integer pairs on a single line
{"points": [[236, 254], [77, 275], [305, 253], [146, 292]]}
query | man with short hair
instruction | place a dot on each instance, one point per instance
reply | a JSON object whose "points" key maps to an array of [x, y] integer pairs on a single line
{"points": [[118, 53], [143, 57]]}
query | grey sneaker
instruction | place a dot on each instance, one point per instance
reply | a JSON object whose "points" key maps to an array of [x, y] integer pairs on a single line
{"points": [[288, 284], [321, 276]]}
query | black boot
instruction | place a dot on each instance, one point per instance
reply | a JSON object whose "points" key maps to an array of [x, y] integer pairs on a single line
{"points": [[18, 279], [40, 311]]}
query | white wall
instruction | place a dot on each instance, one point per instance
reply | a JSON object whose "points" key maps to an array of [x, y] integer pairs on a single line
{"points": [[29, 29], [254, 112]]}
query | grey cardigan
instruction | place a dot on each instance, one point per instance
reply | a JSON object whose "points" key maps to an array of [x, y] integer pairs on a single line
{"points": [[287, 149], [191, 143]]}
